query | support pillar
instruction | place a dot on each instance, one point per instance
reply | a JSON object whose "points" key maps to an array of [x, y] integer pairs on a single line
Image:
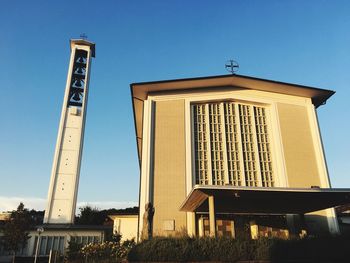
{"points": [[201, 227], [296, 225], [212, 227], [291, 225]]}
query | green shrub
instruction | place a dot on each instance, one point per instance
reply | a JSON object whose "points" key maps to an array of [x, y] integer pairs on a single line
{"points": [[312, 249], [73, 251], [106, 251], [200, 249]]}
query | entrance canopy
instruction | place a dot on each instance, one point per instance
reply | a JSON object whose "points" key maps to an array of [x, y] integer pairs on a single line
{"points": [[263, 200]]}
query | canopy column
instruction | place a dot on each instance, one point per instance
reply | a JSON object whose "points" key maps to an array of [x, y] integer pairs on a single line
{"points": [[212, 227]]}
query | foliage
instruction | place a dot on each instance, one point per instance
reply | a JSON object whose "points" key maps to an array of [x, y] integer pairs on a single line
{"points": [[16, 229], [37, 217], [311, 249], [116, 238], [89, 216], [99, 252], [73, 251], [128, 210], [106, 250], [93, 216], [200, 249]]}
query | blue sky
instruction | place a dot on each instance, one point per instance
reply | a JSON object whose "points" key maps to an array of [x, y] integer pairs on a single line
{"points": [[302, 42]]}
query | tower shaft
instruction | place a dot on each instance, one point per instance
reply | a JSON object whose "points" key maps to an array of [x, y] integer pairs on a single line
{"points": [[63, 189]]}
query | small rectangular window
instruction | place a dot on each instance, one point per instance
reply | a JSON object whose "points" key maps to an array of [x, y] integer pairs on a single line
{"points": [[49, 245], [42, 244], [61, 245]]}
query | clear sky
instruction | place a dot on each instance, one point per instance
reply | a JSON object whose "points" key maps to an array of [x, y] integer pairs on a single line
{"points": [[302, 42]]}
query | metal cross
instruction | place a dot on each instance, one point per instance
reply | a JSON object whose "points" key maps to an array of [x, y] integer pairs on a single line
{"points": [[231, 66], [83, 36]]}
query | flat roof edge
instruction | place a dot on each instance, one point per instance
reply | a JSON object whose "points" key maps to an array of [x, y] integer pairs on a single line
{"points": [[265, 200], [276, 189]]}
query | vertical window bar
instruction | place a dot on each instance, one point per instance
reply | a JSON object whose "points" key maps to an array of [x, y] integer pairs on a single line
{"points": [[232, 132], [240, 145], [35, 245], [224, 148], [263, 147], [61, 244], [255, 146], [55, 243], [248, 147], [42, 245], [49, 244], [208, 145], [201, 144], [216, 141]]}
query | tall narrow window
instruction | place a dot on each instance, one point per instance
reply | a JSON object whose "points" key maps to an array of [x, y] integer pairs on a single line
{"points": [[263, 147], [216, 142], [232, 142], [201, 141], [250, 169], [232, 145]]}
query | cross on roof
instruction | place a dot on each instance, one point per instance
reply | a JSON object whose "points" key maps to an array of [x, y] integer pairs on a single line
{"points": [[83, 36]]}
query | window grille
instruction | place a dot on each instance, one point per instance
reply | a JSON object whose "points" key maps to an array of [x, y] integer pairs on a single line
{"points": [[47, 243], [232, 144], [216, 142], [201, 141], [263, 147]]}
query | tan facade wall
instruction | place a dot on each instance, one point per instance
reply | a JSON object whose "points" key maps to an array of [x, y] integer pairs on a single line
{"points": [[168, 152], [125, 226], [300, 157], [298, 146], [169, 166]]}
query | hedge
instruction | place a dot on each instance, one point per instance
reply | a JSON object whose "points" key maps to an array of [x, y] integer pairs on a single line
{"points": [[313, 249], [200, 249]]}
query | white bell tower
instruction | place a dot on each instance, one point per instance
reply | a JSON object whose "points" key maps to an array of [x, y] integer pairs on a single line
{"points": [[63, 189]]}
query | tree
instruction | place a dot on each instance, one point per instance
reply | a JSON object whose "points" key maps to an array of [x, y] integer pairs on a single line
{"points": [[94, 216], [16, 230], [90, 216]]}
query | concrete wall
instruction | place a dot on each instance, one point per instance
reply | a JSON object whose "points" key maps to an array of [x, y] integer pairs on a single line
{"points": [[300, 157], [125, 226], [169, 167], [167, 178], [298, 146]]}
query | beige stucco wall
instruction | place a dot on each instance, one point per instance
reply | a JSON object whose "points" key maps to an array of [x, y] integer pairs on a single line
{"points": [[298, 146], [169, 168], [169, 165], [125, 226], [300, 157]]}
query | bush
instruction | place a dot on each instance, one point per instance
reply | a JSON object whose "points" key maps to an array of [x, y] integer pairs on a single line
{"points": [[99, 252], [73, 252], [110, 251], [311, 249], [184, 249], [200, 249]]}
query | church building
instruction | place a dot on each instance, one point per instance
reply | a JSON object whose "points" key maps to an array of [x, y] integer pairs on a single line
{"points": [[232, 156]]}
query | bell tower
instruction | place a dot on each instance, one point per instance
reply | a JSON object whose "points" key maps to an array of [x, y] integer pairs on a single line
{"points": [[63, 189]]}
